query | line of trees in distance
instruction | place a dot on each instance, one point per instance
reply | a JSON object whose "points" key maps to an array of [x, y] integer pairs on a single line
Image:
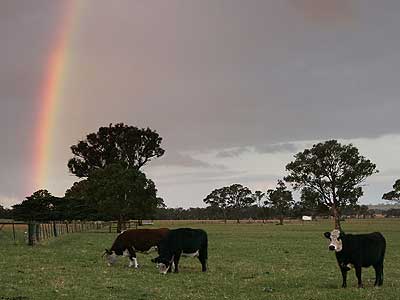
{"points": [[111, 184]]}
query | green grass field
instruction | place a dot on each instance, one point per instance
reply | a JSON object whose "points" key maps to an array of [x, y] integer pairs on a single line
{"points": [[246, 261]]}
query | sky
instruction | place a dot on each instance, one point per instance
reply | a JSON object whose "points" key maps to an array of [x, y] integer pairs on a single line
{"points": [[235, 88]]}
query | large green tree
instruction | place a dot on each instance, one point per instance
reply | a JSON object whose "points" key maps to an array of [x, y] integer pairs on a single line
{"points": [[116, 149], [280, 200], [335, 171], [393, 195], [218, 198], [37, 207], [119, 193], [128, 145], [233, 197]]}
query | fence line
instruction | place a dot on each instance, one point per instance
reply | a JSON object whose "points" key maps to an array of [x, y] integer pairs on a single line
{"points": [[36, 232]]}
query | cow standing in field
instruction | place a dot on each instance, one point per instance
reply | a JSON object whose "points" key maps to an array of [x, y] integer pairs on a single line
{"points": [[359, 251], [131, 241], [182, 242]]}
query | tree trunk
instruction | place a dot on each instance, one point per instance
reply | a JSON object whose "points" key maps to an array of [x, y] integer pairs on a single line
{"points": [[120, 224], [336, 217], [281, 220]]}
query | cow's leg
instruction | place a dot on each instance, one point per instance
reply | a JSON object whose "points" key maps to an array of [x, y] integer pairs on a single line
{"points": [[203, 259], [358, 274], [177, 256], [132, 258], [378, 274], [344, 276]]}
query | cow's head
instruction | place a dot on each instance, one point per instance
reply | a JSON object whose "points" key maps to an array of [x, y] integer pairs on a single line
{"points": [[111, 257], [163, 264], [335, 237]]}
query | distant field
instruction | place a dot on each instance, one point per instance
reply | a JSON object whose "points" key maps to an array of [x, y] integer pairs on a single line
{"points": [[246, 261]]}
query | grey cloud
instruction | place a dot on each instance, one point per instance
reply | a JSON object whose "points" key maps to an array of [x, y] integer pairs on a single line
{"points": [[172, 158], [258, 148], [275, 148], [207, 75], [217, 177], [232, 152]]}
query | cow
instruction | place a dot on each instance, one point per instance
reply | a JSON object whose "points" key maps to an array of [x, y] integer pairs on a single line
{"points": [[182, 242], [358, 251], [131, 241]]}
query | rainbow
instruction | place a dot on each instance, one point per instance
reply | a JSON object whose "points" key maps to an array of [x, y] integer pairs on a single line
{"points": [[50, 91]]}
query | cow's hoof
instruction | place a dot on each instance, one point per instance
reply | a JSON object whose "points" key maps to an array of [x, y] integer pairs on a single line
{"points": [[360, 286]]}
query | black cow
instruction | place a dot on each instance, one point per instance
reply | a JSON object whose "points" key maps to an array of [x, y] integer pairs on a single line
{"points": [[131, 241], [185, 242], [358, 250]]}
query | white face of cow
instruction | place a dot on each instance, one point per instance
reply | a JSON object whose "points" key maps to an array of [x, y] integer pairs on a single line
{"points": [[163, 268], [335, 240], [111, 258]]}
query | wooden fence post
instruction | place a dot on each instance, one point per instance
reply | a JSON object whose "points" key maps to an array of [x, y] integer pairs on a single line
{"points": [[37, 232], [13, 225], [55, 229], [31, 234]]}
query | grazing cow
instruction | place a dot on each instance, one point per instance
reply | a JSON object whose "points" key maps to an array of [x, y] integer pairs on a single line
{"points": [[131, 241], [182, 242], [358, 250]]}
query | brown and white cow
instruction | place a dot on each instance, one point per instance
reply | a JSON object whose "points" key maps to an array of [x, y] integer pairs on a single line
{"points": [[131, 241]]}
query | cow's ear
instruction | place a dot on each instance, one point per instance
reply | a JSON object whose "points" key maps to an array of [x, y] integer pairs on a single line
{"points": [[327, 235], [108, 251]]}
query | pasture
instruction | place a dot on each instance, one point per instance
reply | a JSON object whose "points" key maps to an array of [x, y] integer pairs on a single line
{"points": [[246, 261]]}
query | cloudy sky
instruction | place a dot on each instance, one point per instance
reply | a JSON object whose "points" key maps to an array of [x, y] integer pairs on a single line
{"points": [[235, 88]]}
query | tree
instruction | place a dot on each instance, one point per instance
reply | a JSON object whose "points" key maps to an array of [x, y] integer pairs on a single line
{"points": [[280, 199], [120, 193], [37, 207], [258, 198], [311, 203], [233, 197], [4, 213], [239, 197], [127, 145], [218, 198], [334, 171], [395, 194]]}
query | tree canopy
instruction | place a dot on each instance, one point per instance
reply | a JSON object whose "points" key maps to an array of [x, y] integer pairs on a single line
{"points": [[280, 199], [233, 197], [128, 145], [37, 207], [118, 193], [334, 171], [393, 195]]}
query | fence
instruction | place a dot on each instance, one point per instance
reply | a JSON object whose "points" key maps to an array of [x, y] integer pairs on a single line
{"points": [[33, 233]]}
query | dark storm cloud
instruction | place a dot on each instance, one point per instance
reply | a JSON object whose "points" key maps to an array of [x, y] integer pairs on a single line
{"points": [[227, 76]]}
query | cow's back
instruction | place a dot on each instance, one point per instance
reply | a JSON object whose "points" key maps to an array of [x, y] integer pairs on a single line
{"points": [[141, 239], [364, 249], [186, 240]]}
